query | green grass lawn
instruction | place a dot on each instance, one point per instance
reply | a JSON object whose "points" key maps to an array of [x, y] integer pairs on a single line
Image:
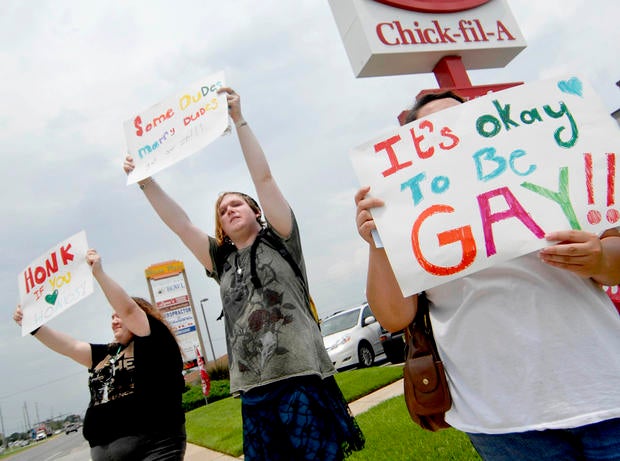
{"points": [[390, 434]]}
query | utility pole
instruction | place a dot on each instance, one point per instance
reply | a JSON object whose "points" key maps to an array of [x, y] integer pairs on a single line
{"points": [[204, 300], [27, 416], [4, 441]]}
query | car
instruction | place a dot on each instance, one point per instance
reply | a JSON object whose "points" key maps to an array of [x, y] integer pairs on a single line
{"points": [[351, 337], [41, 435], [71, 427], [393, 345]]}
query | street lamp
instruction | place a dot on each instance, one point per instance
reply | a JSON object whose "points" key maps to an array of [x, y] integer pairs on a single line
{"points": [[206, 325]]}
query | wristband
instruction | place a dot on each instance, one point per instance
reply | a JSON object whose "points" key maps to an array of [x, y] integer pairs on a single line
{"points": [[35, 331], [143, 184]]}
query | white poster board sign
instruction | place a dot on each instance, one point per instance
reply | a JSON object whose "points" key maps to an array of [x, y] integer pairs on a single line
{"points": [[483, 182], [177, 127], [54, 282]]}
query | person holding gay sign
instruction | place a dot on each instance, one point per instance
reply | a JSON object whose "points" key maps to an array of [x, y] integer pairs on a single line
{"points": [[531, 346], [136, 382], [291, 405]]}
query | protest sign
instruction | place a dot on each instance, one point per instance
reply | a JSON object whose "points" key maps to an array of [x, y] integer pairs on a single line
{"points": [[482, 182], [177, 127], [614, 295], [54, 282]]}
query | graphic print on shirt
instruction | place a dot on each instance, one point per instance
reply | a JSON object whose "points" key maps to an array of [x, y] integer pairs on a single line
{"points": [[113, 377], [261, 313]]}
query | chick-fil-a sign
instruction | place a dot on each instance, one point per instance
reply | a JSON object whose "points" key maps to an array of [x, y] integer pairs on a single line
{"points": [[54, 282], [434, 6], [482, 182], [177, 127]]}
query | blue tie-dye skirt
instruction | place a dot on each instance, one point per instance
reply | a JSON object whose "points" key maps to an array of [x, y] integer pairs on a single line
{"points": [[301, 418]]}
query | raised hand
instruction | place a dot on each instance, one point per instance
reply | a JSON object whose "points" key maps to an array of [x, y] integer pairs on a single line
{"points": [[363, 219], [234, 103], [128, 164], [18, 315], [93, 259]]}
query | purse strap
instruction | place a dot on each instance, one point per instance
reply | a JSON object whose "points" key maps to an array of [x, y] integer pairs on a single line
{"points": [[422, 325]]}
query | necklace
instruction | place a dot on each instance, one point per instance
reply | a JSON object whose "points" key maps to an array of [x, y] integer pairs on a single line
{"points": [[238, 268], [108, 382], [113, 359]]}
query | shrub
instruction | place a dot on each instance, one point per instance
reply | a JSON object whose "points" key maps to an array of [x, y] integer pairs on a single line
{"points": [[193, 398], [218, 370]]}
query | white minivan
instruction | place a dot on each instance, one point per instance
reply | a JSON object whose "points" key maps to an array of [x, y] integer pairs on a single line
{"points": [[352, 337]]}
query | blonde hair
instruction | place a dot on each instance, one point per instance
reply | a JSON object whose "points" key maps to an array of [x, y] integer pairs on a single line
{"points": [[220, 235]]}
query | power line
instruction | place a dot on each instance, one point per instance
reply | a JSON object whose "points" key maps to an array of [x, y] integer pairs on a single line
{"points": [[2, 397]]}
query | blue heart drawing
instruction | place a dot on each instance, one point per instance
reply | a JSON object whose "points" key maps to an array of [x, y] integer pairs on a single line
{"points": [[571, 86]]}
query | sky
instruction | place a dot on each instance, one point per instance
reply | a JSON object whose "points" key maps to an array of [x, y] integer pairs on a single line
{"points": [[73, 72]]}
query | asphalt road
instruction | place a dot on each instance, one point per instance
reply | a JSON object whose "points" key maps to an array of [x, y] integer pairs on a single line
{"points": [[65, 447]]}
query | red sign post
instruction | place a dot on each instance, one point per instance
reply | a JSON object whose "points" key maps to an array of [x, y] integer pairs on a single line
{"points": [[451, 75]]}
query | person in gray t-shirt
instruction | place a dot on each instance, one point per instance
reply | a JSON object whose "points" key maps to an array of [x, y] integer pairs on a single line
{"points": [[291, 405]]}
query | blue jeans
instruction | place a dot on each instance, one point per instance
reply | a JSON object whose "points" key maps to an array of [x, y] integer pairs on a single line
{"points": [[598, 441]]}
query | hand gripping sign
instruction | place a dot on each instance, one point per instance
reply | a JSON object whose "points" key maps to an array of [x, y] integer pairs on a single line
{"points": [[481, 183], [54, 282], [177, 127]]}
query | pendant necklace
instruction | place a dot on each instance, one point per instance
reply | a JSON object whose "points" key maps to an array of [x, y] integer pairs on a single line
{"points": [[239, 270], [113, 359], [106, 388]]}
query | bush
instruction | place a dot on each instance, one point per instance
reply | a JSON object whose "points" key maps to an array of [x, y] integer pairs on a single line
{"points": [[218, 370], [193, 398]]}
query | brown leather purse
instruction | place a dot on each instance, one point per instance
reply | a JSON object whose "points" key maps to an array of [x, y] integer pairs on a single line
{"points": [[426, 388]]}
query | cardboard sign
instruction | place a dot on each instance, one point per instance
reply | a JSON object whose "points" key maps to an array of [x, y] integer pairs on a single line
{"points": [[483, 182], [177, 127], [54, 282], [614, 295]]}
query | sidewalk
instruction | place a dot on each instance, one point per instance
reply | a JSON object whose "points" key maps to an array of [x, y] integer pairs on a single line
{"points": [[197, 453]]}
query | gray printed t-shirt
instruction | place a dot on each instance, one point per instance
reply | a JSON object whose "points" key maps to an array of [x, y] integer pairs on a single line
{"points": [[270, 332]]}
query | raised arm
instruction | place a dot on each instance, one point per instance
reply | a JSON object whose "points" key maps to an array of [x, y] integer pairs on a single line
{"points": [[586, 254], [133, 317], [61, 343], [275, 207], [392, 310], [174, 217]]}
